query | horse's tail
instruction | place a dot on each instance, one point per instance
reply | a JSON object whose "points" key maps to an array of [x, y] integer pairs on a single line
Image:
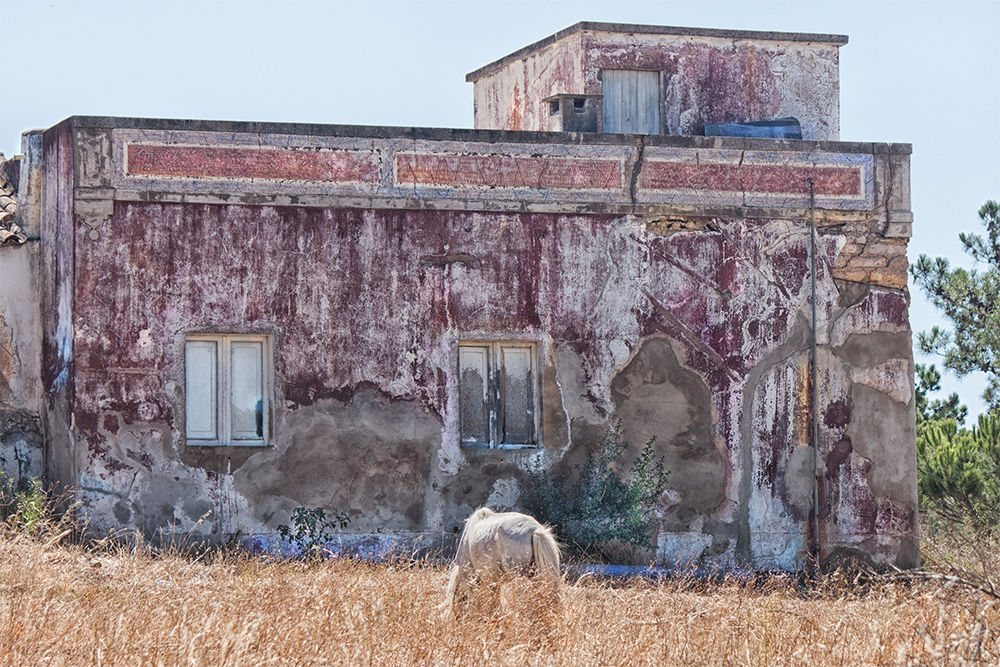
{"points": [[454, 581], [546, 552]]}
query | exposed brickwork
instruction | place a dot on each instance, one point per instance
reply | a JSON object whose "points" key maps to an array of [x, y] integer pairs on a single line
{"points": [[868, 257]]}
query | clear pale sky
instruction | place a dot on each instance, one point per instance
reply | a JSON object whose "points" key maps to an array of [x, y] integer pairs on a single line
{"points": [[920, 72]]}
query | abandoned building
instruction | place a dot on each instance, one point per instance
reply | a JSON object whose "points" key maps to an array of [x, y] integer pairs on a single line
{"points": [[204, 325]]}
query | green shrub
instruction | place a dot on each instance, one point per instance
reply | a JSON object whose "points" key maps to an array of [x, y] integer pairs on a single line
{"points": [[599, 507], [310, 528], [24, 507]]}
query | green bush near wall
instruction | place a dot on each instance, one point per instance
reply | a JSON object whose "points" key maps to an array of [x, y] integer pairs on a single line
{"points": [[595, 508]]}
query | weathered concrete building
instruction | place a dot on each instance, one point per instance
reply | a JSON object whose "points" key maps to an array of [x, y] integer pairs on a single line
{"points": [[672, 80], [215, 323]]}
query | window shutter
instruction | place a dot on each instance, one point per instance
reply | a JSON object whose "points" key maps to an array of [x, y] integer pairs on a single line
{"points": [[473, 400], [200, 364], [631, 103], [517, 398]]}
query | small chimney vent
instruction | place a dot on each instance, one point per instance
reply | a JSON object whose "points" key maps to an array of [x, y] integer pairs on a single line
{"points": [[573, 113]]}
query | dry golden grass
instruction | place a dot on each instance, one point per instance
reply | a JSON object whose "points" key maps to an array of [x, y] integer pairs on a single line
{"points": [[65, 605]]}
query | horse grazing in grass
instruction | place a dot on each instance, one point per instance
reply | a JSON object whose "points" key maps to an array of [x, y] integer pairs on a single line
{"points": [[493, 544]]}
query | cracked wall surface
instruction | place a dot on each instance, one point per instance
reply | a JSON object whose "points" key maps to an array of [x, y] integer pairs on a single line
{"points": [[661, 296]]}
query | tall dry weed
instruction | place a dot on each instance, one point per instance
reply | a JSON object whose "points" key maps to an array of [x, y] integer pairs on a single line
{"points": [[66, 605]]}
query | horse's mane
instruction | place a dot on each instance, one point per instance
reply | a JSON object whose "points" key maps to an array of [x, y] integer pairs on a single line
{"points": [[477, 516]]}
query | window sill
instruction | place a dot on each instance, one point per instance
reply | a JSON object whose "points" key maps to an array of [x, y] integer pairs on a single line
{"points": [[228, 445], [497, 448]]}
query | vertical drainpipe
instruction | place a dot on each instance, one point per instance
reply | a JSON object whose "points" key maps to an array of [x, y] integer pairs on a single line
{"points": [[815, 374]]}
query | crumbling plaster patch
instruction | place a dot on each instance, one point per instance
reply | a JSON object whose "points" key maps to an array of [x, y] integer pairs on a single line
{"points": [[866, 378], [369, 456], [877, 423], [658, 399], [135, 480], [504, 496]]}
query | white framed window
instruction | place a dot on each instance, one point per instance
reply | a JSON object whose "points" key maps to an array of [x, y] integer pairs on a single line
{"points": [[227, 389], [497, 394]]}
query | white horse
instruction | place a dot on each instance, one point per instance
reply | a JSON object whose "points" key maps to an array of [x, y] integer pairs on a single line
{"points": [[493, 544]]}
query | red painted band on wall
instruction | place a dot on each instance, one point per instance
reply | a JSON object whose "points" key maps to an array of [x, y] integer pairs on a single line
{"points": [[276, 164], [507, 171], [662, 175]]}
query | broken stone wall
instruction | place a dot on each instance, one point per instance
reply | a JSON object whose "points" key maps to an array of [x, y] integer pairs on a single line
{"points": [[665, 285]]}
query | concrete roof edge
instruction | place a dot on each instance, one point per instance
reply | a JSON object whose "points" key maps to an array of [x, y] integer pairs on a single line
{"points": [[594, 26], [484, 136]]}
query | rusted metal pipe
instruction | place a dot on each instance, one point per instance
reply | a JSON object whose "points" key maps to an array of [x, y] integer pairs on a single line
{"points": [[815, 374]]}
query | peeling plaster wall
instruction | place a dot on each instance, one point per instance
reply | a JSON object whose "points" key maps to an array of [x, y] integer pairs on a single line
{"points": [[706, 79], [687, 321], [21, 440]]}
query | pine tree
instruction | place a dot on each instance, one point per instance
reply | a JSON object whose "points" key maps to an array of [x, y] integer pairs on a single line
{"points": [[928, 380], [970, 299], [958, 471]]}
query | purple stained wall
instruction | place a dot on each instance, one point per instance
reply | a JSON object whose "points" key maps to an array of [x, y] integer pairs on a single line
{"points": [[675, 301]]}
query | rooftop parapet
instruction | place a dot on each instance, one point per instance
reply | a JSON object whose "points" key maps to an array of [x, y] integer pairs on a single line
{"points": [[380, 167]]}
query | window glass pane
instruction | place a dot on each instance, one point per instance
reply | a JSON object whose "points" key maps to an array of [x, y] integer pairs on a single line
{"points": [[473, 373], [517, 401], [200, 389], [247, 390]]}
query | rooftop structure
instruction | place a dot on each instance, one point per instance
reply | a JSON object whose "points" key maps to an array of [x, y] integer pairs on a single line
{"points": [[664, 80]]}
